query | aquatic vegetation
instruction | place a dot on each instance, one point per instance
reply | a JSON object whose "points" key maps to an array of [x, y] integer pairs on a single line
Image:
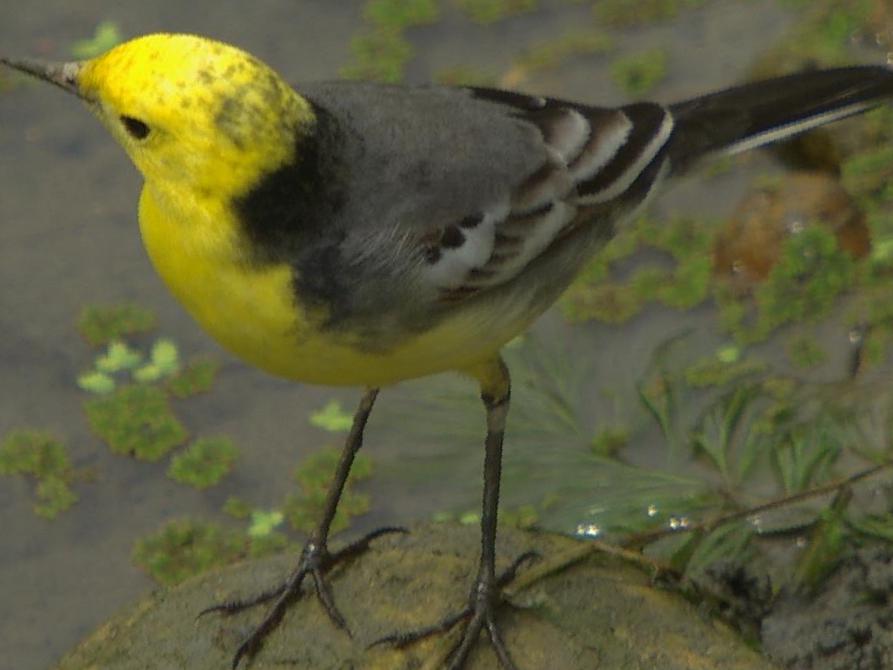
{"points": [[195, 377], [805, 352], [594, 295], [555, 52], [465, 75], [811, 272], [490, 11], [106, 35], [636, 75], [40, 455], [263, 523], [164, 360], [313, 476], [626, 13], [332, 418], [382, 52], [204, 462], [821, 37], [101, 324], [136, 420], [185, 548], [609, 441], [719, 371], [237, 508]]}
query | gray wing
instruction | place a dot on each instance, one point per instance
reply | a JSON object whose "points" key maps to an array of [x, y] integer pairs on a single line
{"points": [[458, 190]]}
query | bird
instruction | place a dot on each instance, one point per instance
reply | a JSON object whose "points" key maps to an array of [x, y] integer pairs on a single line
{"points": [[351, 233]]}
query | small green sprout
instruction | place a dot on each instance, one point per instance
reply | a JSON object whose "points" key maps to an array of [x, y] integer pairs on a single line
{"points": [[136, 420], [96, 382], [118, 357], [332, 418], [204, 462], [164, 362], [101, 324], [106, 35], [263, 523]]}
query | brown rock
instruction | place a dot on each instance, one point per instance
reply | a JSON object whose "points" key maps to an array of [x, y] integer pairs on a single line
{"points": [[747, 248], [589, 612]]}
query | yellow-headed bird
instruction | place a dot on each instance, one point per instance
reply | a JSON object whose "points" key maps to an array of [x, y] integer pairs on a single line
{"points": [[361, 234]]}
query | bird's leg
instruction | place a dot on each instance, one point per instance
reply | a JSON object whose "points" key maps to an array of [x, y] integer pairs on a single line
{"points": [[486, 594], [315, 559]]}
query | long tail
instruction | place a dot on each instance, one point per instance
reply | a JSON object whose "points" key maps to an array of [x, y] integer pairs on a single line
{"points": [[751, 115]]}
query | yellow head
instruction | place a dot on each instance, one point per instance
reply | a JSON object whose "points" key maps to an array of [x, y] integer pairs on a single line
{"points": [[192, 113]]}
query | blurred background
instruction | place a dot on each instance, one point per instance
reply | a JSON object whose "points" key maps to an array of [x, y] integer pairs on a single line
{"points": [[726, 356]]}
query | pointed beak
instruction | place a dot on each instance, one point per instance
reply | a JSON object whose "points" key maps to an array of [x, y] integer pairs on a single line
{"points": [[63, 75]]}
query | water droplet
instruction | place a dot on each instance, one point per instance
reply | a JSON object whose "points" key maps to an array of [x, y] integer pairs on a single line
{"points": [[796, 226], [588, 530], [679, 522]]}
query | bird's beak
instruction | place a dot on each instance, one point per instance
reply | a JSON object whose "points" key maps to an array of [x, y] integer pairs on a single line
{"points": [[63, 75]]}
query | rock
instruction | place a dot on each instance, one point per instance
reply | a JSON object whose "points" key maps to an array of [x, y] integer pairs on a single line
{"points": [[749, 245], [582, 610]]}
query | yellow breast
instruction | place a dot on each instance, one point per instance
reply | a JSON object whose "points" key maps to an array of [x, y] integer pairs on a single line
{"points": [[254, 313]]}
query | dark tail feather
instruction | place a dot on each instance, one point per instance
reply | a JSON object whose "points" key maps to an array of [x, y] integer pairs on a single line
{"points": [[754, 114]]}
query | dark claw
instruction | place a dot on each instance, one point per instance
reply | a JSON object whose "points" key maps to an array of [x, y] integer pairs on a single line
{"points": [[315, 561], [480, 613]]}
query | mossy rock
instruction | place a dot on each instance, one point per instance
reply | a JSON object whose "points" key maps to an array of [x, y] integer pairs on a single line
{"points": [[597, 612]]}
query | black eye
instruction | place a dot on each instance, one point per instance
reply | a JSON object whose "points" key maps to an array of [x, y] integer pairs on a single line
{"points": [[136, 128]]}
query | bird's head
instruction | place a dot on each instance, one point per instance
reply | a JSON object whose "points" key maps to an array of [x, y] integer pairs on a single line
{"points": [[187, 110]]}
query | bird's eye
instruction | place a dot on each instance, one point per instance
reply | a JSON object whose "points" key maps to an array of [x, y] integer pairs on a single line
{"points": [[135, 128]]}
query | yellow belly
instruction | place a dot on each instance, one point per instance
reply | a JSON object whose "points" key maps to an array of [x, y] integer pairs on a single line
{"points": [[253, 313]]}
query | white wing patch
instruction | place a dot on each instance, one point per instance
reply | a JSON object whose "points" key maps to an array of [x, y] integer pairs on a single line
{"points": [[602, 147], [606, 149], [632, 172]]}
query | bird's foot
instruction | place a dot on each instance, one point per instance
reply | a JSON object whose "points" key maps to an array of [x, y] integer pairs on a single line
{"points": [[480, 614], [316, 561]]}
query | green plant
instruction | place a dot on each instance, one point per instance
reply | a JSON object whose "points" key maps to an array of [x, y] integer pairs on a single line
{"points": [[40, 455], [639, 73], [204, 462], [101, 324], [313, 476], [136, 420]]}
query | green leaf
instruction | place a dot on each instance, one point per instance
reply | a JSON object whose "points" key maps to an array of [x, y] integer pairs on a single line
{"points": [[118, 357], [332, 418], [96, 382], [263, 523], [147, 374], [106, 36], [165, 356]]}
